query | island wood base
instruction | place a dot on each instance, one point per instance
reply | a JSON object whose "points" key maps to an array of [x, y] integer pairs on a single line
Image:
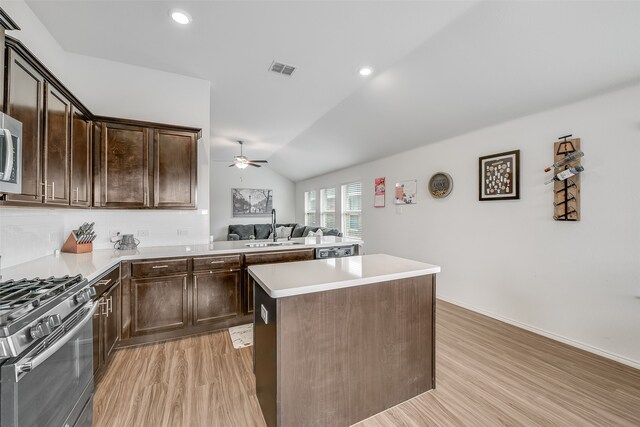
{"points": [[336, 357]]}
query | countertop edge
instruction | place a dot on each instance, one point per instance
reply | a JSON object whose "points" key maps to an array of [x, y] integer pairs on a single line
{"points": [[180, 251], [321, 287]]}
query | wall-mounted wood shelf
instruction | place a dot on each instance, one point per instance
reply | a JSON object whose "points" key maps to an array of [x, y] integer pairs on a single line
{"points": [[566, 200]]}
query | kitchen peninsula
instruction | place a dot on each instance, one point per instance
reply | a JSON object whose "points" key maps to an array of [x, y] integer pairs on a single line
{"points": [[339, 340], [154, 294]]}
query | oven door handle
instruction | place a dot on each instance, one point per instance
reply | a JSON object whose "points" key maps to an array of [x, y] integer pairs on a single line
{"points": [[37, 360]]}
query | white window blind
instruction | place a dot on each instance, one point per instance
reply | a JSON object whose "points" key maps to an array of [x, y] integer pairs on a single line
{"points": [[328, 207], [352, 210], [310, 208]]}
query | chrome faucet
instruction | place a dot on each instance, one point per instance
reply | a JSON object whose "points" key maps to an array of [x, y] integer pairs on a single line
{"points": [[273, 225]]}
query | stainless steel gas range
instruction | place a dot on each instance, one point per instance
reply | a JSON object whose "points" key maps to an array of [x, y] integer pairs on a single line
{"points": [[46, 352]]}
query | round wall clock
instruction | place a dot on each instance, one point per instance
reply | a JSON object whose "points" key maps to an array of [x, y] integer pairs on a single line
{"points": [[440, 185]]}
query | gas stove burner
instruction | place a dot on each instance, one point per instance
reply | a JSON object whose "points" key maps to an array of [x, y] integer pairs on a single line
{"points": [[19, 297]]}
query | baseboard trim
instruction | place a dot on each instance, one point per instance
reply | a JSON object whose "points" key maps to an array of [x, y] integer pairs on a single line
{"points": [[633, 363]]}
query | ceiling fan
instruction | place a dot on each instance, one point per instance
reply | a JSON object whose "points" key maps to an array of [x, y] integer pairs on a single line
{"points": [[242, 162]]}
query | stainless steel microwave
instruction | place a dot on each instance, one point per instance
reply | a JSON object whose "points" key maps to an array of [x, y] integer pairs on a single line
{"points": [[10, 155]]}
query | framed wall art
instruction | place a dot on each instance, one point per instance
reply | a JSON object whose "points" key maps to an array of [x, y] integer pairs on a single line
{"points": [[380, 191], [500, 176], [406, 192], [251, 202]]}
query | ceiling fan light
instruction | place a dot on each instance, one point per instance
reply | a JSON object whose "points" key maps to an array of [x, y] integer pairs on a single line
{"points": [[242, 165]]}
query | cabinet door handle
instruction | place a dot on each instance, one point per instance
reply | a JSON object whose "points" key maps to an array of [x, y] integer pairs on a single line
{"points": [[77, 194], [103, 282], [110, 305], [53, 190], [217, 262], [45, 185], [160, 266]]}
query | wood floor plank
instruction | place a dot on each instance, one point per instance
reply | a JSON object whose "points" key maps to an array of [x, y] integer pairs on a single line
{"points": [[489, 373]]}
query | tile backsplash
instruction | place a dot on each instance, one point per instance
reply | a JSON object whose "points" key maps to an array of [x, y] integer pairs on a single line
{"points": [[26, 234]]}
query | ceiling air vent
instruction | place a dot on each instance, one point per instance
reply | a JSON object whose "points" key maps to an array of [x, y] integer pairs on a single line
{"points": [[280, 68]]}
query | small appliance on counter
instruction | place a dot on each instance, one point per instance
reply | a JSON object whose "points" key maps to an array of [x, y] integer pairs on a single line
{"points": [[10, 155], [127, 243], [80, 241]]}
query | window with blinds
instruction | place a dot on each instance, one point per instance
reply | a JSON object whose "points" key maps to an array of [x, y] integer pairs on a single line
{"points": [[328, 207], [310, 208], [352, 210]]}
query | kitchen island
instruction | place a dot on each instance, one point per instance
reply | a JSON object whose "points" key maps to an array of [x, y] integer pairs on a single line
{"points": [[337, 341]]}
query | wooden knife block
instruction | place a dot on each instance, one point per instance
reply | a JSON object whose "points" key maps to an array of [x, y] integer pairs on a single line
{"points": [[73, 247]]}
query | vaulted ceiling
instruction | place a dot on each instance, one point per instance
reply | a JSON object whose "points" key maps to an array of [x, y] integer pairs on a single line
{"points": [[442, 68]]}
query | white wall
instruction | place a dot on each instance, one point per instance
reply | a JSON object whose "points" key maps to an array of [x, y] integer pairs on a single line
{"points": [[36, 37], [224, 178], [120, 90], [577, 282]]}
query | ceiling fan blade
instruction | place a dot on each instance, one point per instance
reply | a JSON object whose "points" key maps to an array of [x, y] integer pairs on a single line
{"points": [[258, 161], [254, 165], [232, 165]]}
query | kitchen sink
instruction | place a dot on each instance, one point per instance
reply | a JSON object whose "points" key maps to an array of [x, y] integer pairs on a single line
{"points": [[268, 244]]}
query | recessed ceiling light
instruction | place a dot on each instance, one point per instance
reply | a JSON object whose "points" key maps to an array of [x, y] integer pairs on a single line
{"points": [[181, 17], [365, 71]]}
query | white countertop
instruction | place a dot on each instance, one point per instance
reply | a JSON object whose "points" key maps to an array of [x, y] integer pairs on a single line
{"points": [[93, 264], [305, 277]]}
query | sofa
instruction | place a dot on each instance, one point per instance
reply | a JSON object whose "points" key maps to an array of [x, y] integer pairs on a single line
{"points": [[263, 231]]}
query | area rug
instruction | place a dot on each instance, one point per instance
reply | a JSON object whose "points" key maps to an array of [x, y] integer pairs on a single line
{"points": [[241, 336]]}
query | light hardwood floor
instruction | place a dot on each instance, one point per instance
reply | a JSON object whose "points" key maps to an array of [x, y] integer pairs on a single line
{"points": [[488, 374]]}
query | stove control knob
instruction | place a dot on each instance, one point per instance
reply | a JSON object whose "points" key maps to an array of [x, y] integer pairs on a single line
{"points": [[83, 296], [46, 328], [37, 332], [53, 321], [40, 330]]}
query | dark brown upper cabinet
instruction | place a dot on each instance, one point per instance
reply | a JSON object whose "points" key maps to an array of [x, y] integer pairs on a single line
{"points": [[24, 102], [175, 166], [57, 139], [80, 164], [73, 158], [124, 167]]}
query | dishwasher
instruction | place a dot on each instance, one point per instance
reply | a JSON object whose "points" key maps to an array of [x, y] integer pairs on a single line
{"points": [[336, 251]]}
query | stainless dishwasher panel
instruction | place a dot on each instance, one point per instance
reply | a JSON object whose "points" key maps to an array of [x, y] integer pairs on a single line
{"points": [[336, 252]]}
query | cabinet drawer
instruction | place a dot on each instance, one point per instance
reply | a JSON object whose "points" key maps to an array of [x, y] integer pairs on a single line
{"points": [[225, 262], [276, 257], [105, 282], [159, 267]]}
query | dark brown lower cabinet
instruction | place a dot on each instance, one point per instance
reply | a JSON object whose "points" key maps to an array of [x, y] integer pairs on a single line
{"points": [[112, 320], [169, 298], [106, 320], [216, 296], [248, 292], [98, 337], [268, 258], [159, 304]]}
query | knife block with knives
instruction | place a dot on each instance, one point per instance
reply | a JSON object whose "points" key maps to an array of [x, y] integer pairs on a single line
{"points": [[80, 241]]}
